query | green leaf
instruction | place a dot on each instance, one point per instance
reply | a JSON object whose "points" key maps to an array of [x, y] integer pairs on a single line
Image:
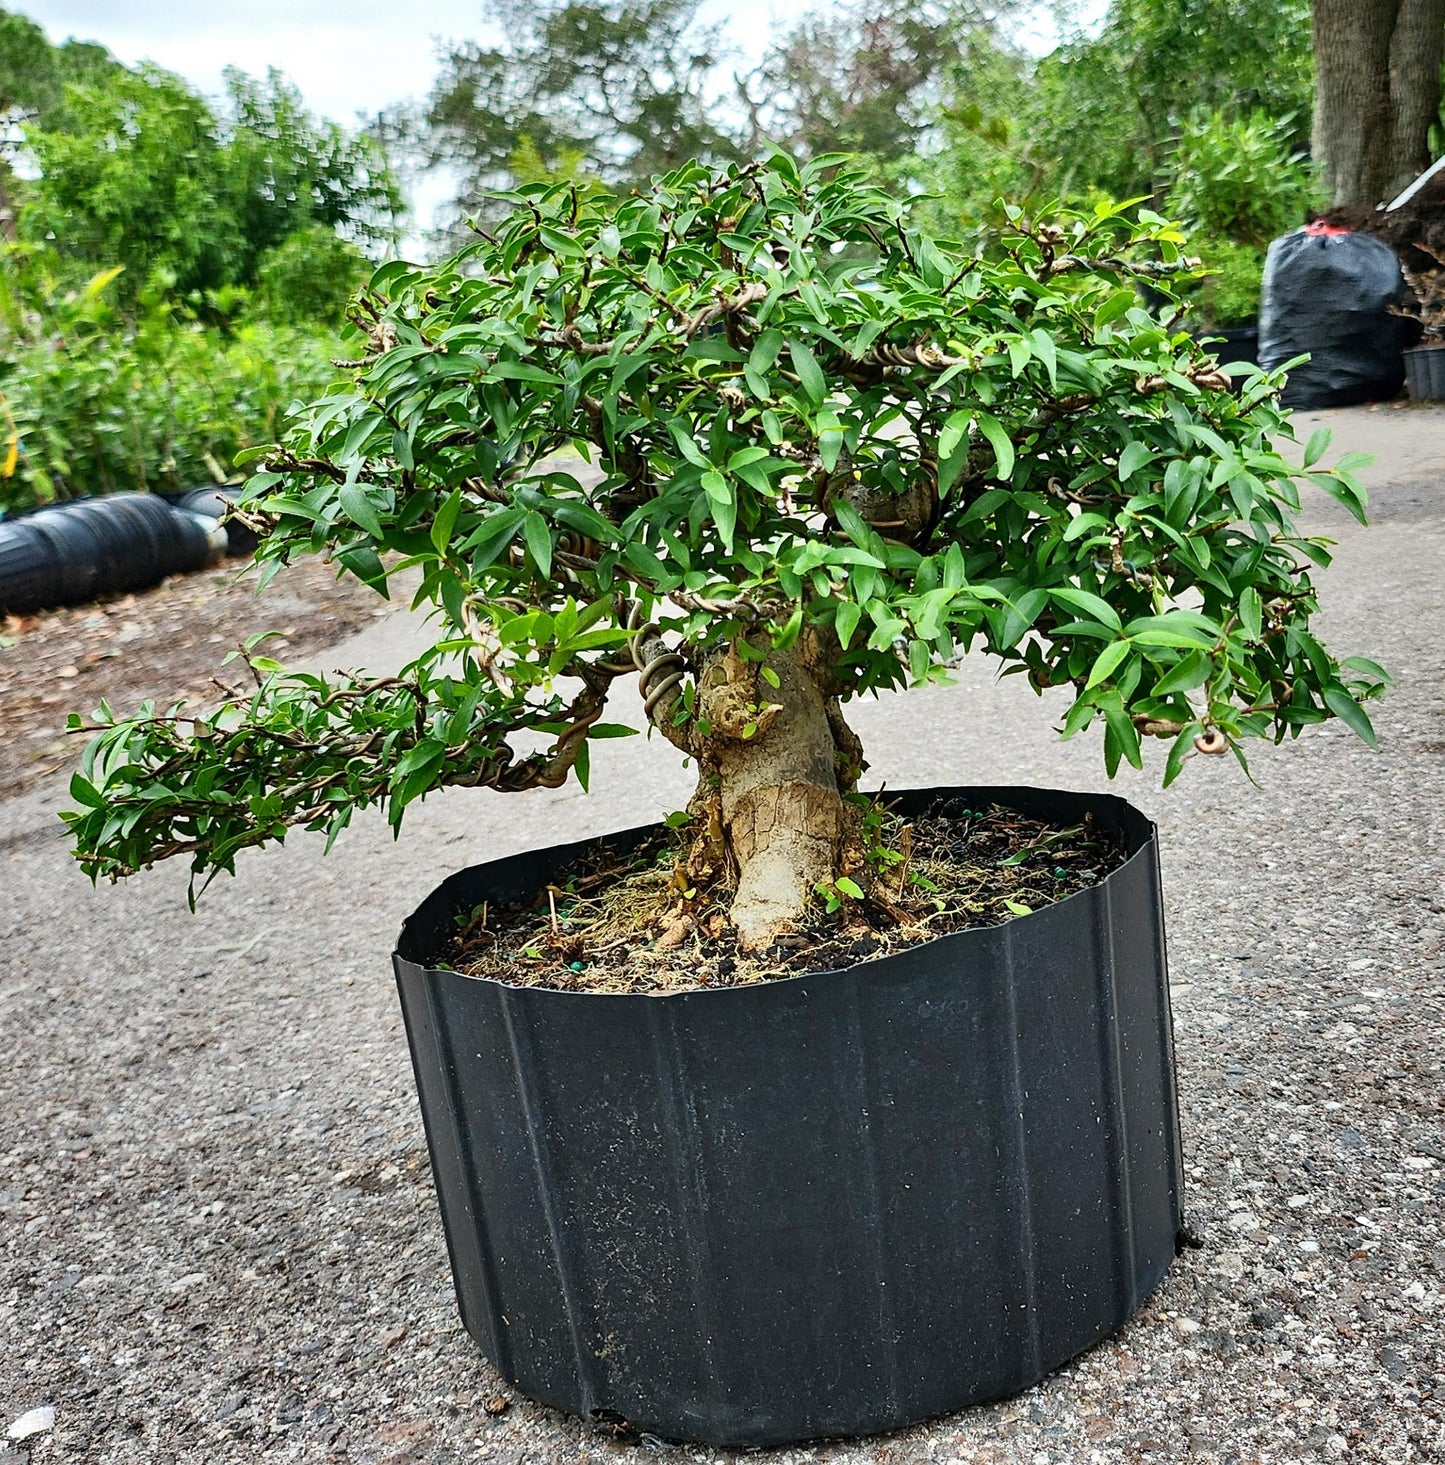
{"points": [[1132, 459], [445, 521], [1121, 729], [845, 621], [725, 516], [1350, 713], [1353, 462], [1179, 750], [1251, 613], [1044, 348], [1120, 303], [810, 374], [539, 541], [1188, 672], [1107, 662], [765, 353], [522, 371], [953, 448], [1315, 448], [1370, 668], [1003, 448], [359, 509], [715, 486], [85, 792], [1089, 603], [848, 887]]}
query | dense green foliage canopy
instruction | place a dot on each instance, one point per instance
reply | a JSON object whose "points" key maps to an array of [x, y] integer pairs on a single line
{"points": [[743, 408]]}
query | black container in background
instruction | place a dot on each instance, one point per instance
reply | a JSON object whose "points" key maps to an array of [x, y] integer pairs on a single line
{"points": [[1333, 294], [67, 554], [822, 1206], [216, 504], [1425, 373]]}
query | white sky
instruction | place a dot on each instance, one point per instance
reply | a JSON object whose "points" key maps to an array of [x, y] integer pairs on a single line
{"points": [[347, 56], [350, 58]]}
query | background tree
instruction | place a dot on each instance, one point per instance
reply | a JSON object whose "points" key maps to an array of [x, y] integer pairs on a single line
{"points": [[860, 77], [613, 89], [1377, 98], [1108, 105], [33, 78], [132, 178], [180, 277], [286, 172]]}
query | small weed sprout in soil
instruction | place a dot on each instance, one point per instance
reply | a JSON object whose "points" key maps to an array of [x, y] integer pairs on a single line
{"points": [[622, 920]]}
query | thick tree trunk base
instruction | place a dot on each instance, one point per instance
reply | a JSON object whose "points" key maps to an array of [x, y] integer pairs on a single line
{"points": [[775, 764]]}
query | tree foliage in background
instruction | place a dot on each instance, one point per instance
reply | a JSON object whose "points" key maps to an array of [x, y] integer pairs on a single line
{"points": [[1235, 183], [33, 80], [941, 97], [861, 77], [141, 173], [176, 276], [96, 398], [613, 89]]}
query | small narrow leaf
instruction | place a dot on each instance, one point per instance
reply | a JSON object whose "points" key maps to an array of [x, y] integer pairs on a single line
{"points": [[1108, 661], [810, 374], [1003, 448], [1350, 713], [539, 541], [1315, 448]]}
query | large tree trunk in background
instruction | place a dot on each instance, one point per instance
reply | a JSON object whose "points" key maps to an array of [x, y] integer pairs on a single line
{"points": [[773, 800], [1377, 92]]}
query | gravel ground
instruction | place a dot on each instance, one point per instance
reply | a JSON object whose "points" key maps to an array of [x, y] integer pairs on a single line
{"points": [[220, 1239]]}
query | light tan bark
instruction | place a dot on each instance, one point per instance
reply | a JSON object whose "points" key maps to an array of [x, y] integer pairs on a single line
{"points": [[769, 772]]}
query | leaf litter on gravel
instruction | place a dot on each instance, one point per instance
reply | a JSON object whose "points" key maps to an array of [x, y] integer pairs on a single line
{"points": [[166, 642]]}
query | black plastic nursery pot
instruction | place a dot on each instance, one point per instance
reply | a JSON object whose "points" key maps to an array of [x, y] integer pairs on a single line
{"points": [[820, 1206], [1425, 373]]}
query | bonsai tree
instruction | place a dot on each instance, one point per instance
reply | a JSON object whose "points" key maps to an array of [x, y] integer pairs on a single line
{"points": [[751, 438]]}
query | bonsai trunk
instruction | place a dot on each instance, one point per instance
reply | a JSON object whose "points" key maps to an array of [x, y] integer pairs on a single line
{"points": [[775, 763]]}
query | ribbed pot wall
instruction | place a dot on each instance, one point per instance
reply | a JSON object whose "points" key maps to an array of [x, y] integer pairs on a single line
{"points": [[815, 1207]]}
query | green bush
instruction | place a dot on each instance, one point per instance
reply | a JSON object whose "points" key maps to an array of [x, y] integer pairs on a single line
{"points": [[310, 276], [1229, 294], [1238, 179], [97, 402]]}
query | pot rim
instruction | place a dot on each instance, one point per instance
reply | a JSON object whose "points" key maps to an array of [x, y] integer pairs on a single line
{"points": [[1147, 848]]}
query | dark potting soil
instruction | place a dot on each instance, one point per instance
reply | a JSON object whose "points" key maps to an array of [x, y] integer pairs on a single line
{"points": [[624, 922]]}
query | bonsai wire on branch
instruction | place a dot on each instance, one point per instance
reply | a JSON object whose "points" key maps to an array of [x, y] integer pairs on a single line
{"points": [[752, 438]]}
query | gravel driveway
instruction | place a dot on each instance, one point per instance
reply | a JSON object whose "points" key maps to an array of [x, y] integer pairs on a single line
{"points": [[219, 1237]]}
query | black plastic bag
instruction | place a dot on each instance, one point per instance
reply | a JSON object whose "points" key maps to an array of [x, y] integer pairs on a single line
{"points": [[1328, 292]]}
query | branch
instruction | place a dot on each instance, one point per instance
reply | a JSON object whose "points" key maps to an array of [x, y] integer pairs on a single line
{"points": [[303, 753]]}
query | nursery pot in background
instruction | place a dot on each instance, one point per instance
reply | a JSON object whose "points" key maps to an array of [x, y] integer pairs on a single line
{"points": [[820, 1206], [1425, 372]]}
